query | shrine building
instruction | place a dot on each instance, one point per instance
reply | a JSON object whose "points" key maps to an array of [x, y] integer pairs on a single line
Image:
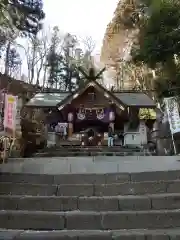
{"points": [[90, 110]]}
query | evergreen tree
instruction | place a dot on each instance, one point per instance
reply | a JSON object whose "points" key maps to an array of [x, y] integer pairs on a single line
{"points": [[14, 61], [53, 59], [159, 43], [69, 73], [62, 64], [23, 15]]}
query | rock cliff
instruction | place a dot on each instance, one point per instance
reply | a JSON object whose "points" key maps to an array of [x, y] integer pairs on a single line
{"points": [[119, 33], [118, 39]]}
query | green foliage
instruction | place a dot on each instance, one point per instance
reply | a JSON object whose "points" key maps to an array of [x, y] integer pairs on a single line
{"points": [[159, 41], [14, 61], [23, 15], [159, 37], [63, 62], [59, 61]]}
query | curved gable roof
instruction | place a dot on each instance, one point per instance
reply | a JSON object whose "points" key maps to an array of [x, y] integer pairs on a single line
{"points": [[47, 99], [139, 99]]}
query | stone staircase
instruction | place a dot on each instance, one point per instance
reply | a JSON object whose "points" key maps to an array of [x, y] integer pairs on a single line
{"points": [[70, 151], [119, 206]]}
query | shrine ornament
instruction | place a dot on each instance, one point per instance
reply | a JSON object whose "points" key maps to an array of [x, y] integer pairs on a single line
{"points": [[81, 114], [100, 114], [70, 117], [111, 116]]}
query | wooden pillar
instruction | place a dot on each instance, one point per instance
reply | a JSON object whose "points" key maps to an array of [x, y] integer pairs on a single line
{"points": [[111, 124], [70, 125], [111, 119], [70, 130]]}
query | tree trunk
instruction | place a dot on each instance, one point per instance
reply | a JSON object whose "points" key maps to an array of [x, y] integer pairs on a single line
{"points": [[32, 64], [171, 68], [39, 72], [44, 76], [33, 58], [6, 70]]}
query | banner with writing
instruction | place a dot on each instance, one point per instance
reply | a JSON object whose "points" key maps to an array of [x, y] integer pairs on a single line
{"points": [[10, 112], [173, 114]]}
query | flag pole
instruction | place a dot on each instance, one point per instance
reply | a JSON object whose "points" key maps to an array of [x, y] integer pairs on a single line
{"points": [[174, 145]]}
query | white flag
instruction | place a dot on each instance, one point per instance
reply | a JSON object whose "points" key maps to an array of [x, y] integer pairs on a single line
{"points": [[173, 114]]}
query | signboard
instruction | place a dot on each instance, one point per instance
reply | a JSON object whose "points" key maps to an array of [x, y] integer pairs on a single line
{"points": [[10, 112], [173, 114], [143, 132]]}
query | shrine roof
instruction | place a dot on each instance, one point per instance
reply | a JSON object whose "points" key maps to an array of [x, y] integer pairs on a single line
{"points": [[135, 99], [58, 99], [47, 99]]}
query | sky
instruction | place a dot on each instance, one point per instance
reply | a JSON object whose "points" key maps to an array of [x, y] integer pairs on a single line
{"points": [[84, 18], [81, 17]]}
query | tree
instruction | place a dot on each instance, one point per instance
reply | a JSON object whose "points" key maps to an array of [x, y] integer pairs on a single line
{"points": [[69, 73], [33, 45], [89, 44], [18, 18], [14, 62], [64, 57], [86, 54], [62, 61], [35, 54], [42, 52], [24, 15], [159, 42], [54, 58]]}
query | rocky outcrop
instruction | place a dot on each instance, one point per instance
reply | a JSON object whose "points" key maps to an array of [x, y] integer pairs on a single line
{"points": [[119, 33], [119, 36]]}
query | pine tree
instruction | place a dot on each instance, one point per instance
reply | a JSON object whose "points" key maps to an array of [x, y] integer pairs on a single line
{"points": [[63, 71], [14, 61], [23, 15], [159, 43]]}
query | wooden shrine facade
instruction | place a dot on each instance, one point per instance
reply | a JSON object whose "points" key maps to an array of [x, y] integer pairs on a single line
{"points": [[94, 108]]}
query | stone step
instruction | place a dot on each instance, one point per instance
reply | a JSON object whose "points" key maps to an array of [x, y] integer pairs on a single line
{"points": [[90, 148], [82, 220], [71, 146], [114, 189], [64, 203], [165, 234], [89, 153], [86, 178], [71, 178]]}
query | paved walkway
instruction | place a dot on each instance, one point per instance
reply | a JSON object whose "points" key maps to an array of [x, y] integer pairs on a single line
{"points": [[91, 165]]}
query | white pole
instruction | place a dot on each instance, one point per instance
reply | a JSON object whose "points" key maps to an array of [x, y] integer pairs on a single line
{"points": [[174, 145]]}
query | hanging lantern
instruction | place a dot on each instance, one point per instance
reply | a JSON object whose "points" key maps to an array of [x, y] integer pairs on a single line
{"points": [[70, 117], [111, 116]]}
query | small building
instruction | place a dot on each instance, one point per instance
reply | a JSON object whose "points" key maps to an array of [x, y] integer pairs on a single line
{"points": [[23, 91], [90, 110]]}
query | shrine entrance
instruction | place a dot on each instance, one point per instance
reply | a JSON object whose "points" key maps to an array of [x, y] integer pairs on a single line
{"points": [[92, 131], [91, 123], [98, 126]]}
